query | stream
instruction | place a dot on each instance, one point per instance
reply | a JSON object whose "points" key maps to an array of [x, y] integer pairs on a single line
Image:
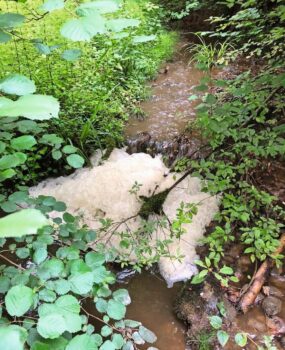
{"points": [[167, 113]]}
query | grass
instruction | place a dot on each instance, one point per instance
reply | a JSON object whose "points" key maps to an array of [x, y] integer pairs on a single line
{"points": [[98, 92]]}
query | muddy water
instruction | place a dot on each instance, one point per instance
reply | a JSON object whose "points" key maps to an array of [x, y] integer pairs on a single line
{"points": [[152, 304], [168, 110]]}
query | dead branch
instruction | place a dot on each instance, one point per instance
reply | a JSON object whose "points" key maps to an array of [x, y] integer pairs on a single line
{"points": [[259, 279]]}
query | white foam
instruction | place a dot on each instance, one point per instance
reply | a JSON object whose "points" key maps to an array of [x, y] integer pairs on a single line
{"points": [[104, 191]]}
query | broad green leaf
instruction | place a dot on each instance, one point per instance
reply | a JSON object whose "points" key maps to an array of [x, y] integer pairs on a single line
{"points": [[40, 255], [61, 286], [116, 310], [52, 268], [71, 55], [147, 335], [226, 270], [216, 322], [106, 331], [81, 283], [12, 337], [241, 339], [101, 305], [18, 300], [50, 344], [42, 48], [51, 5], [51, 326], [4, 37], [83, 341], [143, 38], [11, 20], [223, 337], [10, 161], [68, 149], [132, 323], [94, 7], [17, 84], [47, 295], [75, 161], [25, 142], [108, 345], [119, 24], [83, 29], [4, 284], [24, 222], [122, 295], [118, 341], [7, 174], [94, 259], [68, 303], [39, 107]]}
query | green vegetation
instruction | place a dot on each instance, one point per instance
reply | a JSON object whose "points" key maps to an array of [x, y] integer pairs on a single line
{"points": [[71, 75]]}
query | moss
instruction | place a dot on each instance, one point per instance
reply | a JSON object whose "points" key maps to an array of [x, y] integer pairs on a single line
{"points": [[153, 204]]}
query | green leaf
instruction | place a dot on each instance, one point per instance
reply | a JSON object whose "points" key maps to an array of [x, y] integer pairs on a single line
{"points": [[38, 107], [106, 331], [75, 161], [51, 5], [223, 337], [68, 149], [147, 335], [17, 84], [101, 305], [83, 29], [9, 161], [4, 284], [81, 283], [52, 268], [118, 24], [68, 303], [47, 295], [4, 37], [40, 255], [25, 142], [132, 323], [108, 345], [54, 344], [216, 322], [143, 38], [42, 48], [11, 20], [241, 339], [51, 326], [19, 300], [12, 337], [118, 341], [71, 56], [122, 295], [83, 341], [95, 7], [23, 252], [24, 222], [94, 259], [116, 310], [226, 270], [61, 286]]}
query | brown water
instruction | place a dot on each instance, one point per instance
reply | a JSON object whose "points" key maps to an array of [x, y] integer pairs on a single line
{"points": [[168, 110], [152, 304]]}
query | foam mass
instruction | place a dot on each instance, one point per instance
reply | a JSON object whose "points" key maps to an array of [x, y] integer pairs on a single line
{"points": [[105, 191]]}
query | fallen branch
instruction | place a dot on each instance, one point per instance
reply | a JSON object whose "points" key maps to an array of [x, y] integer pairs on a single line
{"points": [[259, 279]]}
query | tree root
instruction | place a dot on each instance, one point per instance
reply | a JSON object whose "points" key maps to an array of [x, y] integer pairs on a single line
{"points": [[259, 279]]}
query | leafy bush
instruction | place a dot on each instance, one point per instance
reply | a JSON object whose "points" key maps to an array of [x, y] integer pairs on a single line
{"points": [[54, 288]]}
